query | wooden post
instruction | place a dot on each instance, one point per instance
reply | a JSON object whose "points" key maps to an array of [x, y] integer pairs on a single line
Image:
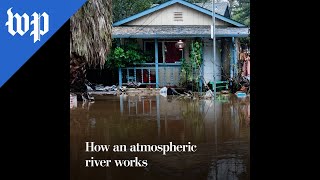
{"points": [[231, 59], [120, 77], [214, 47], [156, 54], [234, 56]]}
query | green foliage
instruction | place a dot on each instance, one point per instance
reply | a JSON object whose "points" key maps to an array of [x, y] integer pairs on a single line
{"points": [[195, 58], [125, 8], [191, 67], [160, 1], [241, 12], [185, 66], [124, 56], [196, 53]]}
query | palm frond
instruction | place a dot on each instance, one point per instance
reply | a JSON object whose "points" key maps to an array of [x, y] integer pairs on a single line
{"points": [[90, 30]]}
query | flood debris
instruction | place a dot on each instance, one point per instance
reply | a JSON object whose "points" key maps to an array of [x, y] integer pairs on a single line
{"points": [[87, 97], [209, 94], [245, 84], [163, 91], [89, 88], [123, 89], [244, 89], [100, 89], [242, 84], [134, 84], [94, 89], [225, 91], [172, 91], [241, 94], [166, 91], [73, 100]]}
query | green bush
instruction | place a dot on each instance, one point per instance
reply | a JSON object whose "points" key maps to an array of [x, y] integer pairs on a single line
{"points": [[125, 56]]}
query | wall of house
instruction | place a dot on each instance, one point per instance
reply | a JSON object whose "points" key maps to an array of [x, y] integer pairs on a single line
{"points": [[186, 49], [169, 75], [226, 56], [176, 14], [140, 42], [208, 60]]}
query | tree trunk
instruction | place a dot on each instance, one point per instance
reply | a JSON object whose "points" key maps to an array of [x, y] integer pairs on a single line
{"points": [[78, 74]]}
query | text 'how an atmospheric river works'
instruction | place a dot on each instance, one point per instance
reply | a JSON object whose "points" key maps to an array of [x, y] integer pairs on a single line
{"points": [[164, 149]]}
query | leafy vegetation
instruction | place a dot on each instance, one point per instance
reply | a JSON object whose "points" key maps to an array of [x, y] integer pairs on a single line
{"points": [[126, 55], [125, 8], [191, 68], [240, 11]]}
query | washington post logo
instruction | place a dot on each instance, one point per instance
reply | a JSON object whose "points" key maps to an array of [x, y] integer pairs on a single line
{"points": [[38, 20]]}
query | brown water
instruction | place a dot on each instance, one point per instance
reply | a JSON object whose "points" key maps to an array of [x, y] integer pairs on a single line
{"points": [[221, 131]]}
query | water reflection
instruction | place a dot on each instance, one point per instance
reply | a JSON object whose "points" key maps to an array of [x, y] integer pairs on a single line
{"points": [[220, 130]]}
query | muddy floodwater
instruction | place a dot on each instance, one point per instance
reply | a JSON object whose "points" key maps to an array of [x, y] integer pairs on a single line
{"points": [[220, 130]]}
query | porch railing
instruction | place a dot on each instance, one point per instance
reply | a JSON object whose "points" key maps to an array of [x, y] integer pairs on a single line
{"points": [[169, 74]]}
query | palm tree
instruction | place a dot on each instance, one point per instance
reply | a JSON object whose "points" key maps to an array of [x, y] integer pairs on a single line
{"points": [[90, 41]]}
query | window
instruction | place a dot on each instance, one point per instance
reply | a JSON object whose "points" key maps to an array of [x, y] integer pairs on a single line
{"points": [[172, 54], [149, 49], [168, 53]]}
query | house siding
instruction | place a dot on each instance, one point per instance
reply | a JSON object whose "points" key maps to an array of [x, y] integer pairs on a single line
{"points": [[208, 60], [166, 17]]}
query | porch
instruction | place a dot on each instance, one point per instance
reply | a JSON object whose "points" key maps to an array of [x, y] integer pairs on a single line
{"points": [[145, 74], [165, 70]]}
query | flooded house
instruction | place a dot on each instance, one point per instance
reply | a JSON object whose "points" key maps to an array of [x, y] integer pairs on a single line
{"points": [[168, 30]]}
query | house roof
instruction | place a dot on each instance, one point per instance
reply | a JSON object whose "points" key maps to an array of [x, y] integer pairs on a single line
{"points": [[176, 32], [169, 3]]}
